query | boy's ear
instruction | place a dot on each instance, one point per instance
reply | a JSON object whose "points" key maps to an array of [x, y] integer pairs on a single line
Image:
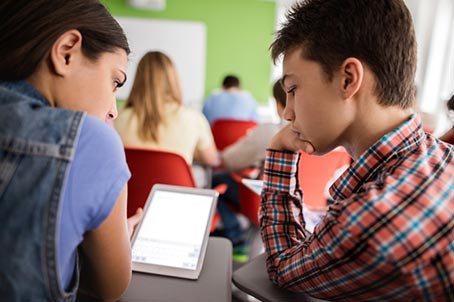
{"points": [[351, 73], [66, 49]]}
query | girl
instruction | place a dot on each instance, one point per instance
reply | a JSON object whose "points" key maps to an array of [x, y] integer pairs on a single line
{"points": [[63, 173]]}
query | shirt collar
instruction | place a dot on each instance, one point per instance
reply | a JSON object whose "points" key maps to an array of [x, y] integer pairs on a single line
{"points": [[25, 88], [400, 140]]}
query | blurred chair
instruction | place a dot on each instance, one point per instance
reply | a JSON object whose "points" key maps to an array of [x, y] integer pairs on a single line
{"points": [[249, 203], [249, 200], [317, 172], [149, 167], [228, 131], [225, 133]]}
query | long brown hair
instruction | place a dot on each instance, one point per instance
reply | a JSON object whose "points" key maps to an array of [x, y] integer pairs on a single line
{"points": [[30, 28], [156, 83]]}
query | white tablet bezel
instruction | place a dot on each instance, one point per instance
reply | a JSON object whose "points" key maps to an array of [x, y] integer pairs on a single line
{"points": [[175, 271]]}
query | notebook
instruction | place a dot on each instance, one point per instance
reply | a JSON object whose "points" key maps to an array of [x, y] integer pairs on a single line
{"points": [[172, 237]]}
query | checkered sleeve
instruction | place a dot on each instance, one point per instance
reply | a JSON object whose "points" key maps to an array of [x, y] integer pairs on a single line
{"points": [[387, 235], [281, 216], [296, 259]]}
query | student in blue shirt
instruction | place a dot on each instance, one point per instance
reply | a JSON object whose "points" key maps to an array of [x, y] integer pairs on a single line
{"points": [[230, 102], [63, 173]]}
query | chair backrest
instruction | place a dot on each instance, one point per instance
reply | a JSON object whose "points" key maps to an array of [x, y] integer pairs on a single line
{"points": [[317, 172], [228, 131], [149, 167], [249, 204]]}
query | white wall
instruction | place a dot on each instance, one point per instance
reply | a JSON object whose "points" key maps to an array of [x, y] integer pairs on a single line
{"points": [[183, 42], [434, 26]]}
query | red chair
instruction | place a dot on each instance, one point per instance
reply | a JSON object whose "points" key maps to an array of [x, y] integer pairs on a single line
{"points": [[249, 203], [225, 133], [228, 131], [149, 167], [316, 172], [249, 200]]}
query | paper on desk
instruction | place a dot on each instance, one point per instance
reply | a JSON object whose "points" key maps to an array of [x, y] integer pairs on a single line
{"points": [[254, 184], [312, 218]]}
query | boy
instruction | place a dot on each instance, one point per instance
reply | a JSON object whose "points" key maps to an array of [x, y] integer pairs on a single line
{"points": [[349, 69]]}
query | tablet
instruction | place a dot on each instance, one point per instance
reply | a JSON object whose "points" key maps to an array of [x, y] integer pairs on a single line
{"points": [[172, 237]]}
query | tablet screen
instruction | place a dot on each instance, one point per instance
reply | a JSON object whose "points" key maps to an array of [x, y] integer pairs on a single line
{"points": [[173, 229]]}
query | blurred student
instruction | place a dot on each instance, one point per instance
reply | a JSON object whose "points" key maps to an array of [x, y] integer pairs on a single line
{"points": [[248, 152], [448, 136], [154, 117], [231, 102], [348, 70], [63, 172]]}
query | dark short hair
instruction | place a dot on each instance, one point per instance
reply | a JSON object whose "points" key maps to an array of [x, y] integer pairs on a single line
{"points": [[450, 103], [279, 93], [231, 81], [30, 28], [380, 33]]}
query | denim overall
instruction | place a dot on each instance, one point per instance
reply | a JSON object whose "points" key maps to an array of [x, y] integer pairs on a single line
{"points": [[37, 143]]}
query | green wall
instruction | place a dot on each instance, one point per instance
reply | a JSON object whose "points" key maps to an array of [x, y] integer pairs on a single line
{"points": [[239, 33]]}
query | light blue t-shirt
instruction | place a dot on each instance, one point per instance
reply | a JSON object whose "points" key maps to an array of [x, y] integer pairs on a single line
{"points": [[224, 104], [96, 177]]}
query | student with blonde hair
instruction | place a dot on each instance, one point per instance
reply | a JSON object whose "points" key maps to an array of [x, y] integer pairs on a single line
{"points": [[154, 115]]}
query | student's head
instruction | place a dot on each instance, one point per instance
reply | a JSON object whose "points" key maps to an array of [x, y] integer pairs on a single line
{"points": [[450, 103], [450, 107], [342, 58], [379, 33], [279, 97], [73, 52], [231, 81], [156, 82]]}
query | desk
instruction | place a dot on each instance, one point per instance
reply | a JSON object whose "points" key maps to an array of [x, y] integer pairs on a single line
{"points": [[214, 283], [252, 278]]}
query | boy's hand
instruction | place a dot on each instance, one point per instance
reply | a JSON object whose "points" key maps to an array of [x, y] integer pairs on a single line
{"points": [[288, 140]]}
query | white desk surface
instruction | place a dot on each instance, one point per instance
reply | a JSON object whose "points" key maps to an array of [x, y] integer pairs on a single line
{"points": [[252, 278], [214, 283]]}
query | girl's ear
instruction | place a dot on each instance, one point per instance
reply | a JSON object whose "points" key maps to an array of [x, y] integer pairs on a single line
{"points": [[65, 51], [352, 73]]}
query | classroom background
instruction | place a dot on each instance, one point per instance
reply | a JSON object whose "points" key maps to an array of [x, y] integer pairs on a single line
{"points": [[239, 32]]}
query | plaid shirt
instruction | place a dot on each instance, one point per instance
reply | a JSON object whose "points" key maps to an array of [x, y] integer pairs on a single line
{"points": [[387, 236]]}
